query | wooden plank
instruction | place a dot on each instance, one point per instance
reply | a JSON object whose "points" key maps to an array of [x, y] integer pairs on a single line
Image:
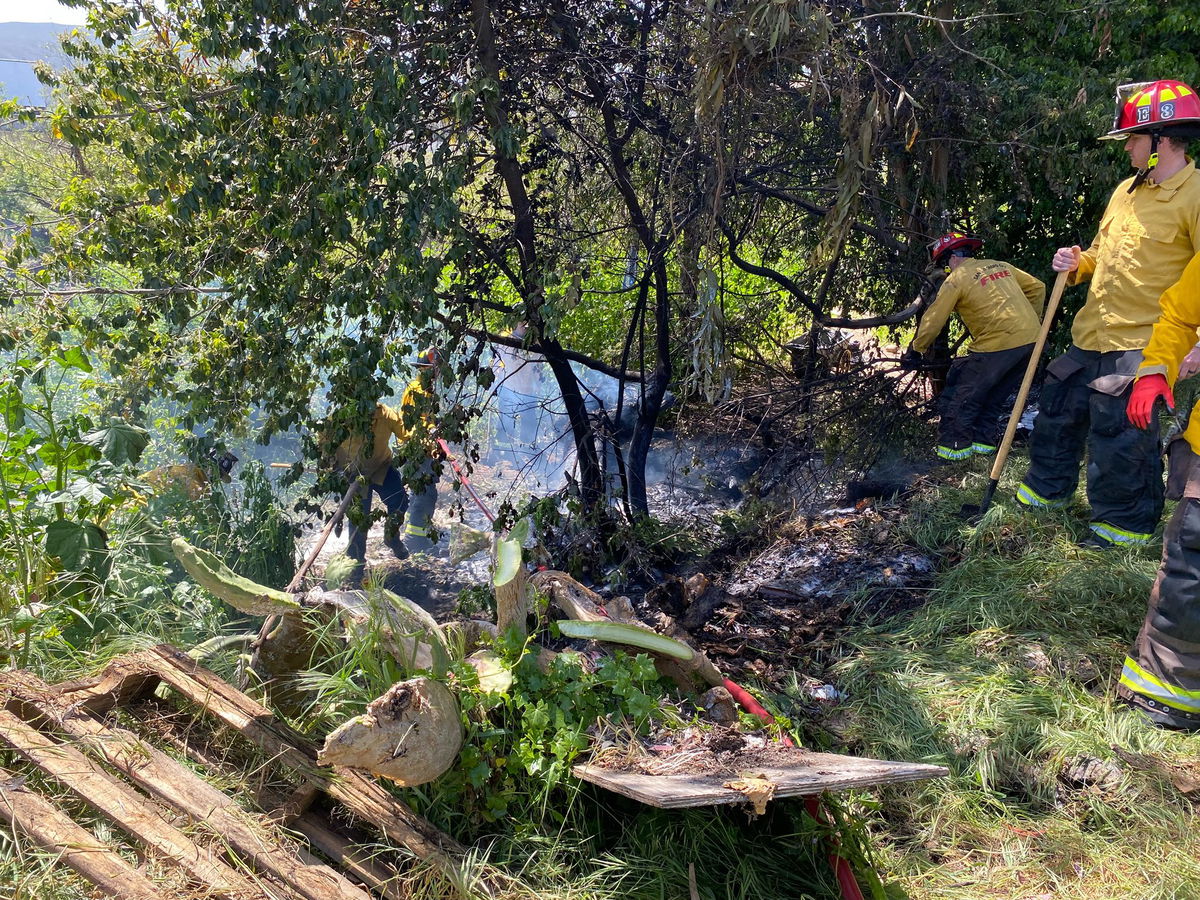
{"points": [[125, 807], [811, 773], [383, 879], [119, 684], [292, 812], [53, 831], [286, 810], [360, 795], [181, 788]]}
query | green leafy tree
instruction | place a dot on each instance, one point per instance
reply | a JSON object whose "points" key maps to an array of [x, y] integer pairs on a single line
{"points": [[309, 192]]}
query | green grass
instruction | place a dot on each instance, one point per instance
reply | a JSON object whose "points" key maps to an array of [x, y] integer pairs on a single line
{"points": [[1003, 676]]}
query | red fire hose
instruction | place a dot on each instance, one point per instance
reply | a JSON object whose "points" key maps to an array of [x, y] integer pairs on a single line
{"points": [[812, 802], [462, 479]]}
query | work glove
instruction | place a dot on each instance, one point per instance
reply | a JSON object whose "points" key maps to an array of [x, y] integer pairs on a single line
{"points": [[1146, 391], [1191, 364], [911, 360]]}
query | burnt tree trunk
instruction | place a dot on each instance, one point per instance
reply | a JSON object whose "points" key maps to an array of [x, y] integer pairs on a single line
{"points": [[525, 235]]}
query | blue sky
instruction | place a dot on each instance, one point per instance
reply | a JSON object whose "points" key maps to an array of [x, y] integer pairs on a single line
{"points": [[39, 11]]}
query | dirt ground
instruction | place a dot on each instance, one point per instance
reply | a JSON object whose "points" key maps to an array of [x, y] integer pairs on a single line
{"points": [[782, 609]]}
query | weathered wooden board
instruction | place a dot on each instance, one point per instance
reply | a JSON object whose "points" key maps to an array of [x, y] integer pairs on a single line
{"points": [[76, 847], [162, 777], [354, 790], [811, 773], [382, 878], [125, 807], [35, 711]]}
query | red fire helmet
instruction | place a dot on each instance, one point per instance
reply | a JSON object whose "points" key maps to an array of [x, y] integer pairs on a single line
{"points": [[1155, 106], [953, 240]]}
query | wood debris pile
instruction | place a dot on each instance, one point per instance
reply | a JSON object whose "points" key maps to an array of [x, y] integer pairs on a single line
{"points": [[176, 817]]}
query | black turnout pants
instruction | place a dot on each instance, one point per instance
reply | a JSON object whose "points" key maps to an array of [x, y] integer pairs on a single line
{"points": [[1162, 672], [1083, 407], [976, 397]]}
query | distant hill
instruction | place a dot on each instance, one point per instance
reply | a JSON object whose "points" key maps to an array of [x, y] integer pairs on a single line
{"points": [[28, 42]]}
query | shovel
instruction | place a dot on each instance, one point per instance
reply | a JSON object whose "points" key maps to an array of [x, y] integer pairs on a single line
{"points": [[970, 509]]}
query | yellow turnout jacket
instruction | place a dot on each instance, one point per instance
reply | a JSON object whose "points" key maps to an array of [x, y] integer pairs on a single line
{"points": [[1000, 305], [351, 454], [1175, 334], [1145, 240]]}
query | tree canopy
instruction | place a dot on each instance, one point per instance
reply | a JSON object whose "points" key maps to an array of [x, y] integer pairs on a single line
{"points": [[305, 194]]}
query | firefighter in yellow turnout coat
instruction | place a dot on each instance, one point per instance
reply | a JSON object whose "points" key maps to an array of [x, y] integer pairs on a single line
{"points": [[1149, 232], [1161, 675], [353, 459], [1001, 306], [417, 405]]}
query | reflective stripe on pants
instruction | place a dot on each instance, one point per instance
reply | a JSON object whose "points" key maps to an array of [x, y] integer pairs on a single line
{"points": [[1162, 673]]}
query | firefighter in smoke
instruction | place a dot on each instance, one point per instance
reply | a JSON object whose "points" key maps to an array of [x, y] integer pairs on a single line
{"points": [[383, 480], [1001, 306], [1161, 676], [418, 405], [407, 423], [1148, 234]]}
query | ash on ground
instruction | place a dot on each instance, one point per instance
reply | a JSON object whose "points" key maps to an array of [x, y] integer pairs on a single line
{"points": [[784, 608], [762, 618], [694, 751]]}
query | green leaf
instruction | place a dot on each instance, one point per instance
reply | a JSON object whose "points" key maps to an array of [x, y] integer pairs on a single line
{"points": [[73, 358], [120, 442], [75, 544], [82, 489], [13, 406]]}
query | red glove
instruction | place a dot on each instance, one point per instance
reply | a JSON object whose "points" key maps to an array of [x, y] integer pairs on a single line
{"points": [[1146, 391]]}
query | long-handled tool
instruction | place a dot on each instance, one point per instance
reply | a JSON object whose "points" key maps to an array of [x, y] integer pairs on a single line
{"points": [[462, 479], [1022, 395], [356, 487]]}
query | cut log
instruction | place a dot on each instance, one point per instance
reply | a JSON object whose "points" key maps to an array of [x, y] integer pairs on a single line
{"points": [[279, 654], [125, 807], [512, 604], [408, 632], [411, 734], [584, 605], [578, 602], [75, 847]]}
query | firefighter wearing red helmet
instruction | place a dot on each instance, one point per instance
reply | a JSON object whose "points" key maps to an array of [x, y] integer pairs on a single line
{"points": [[1149, 232], [1001, 307]]}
